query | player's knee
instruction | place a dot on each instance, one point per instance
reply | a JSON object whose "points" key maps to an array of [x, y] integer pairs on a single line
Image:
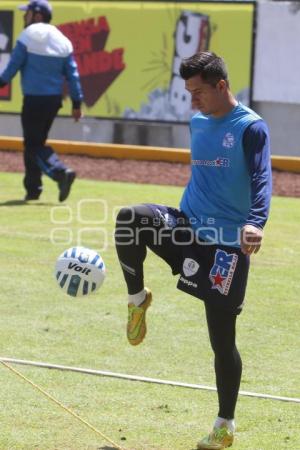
{"points": [[223, 347], [124, 232], [125, 216]]}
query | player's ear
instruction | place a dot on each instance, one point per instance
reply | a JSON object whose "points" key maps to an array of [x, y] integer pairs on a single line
{"points": [[222, 85]]}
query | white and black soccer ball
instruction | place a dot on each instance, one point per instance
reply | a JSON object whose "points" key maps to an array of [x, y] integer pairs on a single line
{"points": [[79, 271]]}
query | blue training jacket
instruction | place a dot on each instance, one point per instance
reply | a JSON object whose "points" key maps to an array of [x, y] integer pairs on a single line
{"points": [[230, 182], [45, 59]]}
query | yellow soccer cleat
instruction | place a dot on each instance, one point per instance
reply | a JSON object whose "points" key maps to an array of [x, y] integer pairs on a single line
{"points": [[136, 325], [218, 439]]}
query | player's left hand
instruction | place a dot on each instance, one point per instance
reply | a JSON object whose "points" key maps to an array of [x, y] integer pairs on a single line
{"points": [[76, 114], [251, 238]]}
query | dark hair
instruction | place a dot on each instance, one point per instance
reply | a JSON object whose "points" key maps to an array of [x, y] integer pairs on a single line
{"points": [[211, 67]]}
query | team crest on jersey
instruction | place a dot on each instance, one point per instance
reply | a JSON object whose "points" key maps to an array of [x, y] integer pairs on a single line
{"points": [[221, 273], [228, 140]]}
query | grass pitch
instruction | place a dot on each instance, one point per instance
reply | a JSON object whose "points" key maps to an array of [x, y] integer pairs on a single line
{"points": [[39, 322]]}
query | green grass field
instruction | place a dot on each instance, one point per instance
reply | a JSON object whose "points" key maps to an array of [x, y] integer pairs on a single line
{"points": [[39, 322]]}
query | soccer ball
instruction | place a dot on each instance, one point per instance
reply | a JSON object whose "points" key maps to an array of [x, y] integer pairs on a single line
{"points": [[79, 271]]}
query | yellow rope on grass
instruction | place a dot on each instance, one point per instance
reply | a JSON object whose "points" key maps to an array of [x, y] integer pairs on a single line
{"points": [[62, 406]]}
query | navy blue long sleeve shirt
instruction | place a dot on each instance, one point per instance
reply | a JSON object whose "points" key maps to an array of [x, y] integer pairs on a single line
{"points": [[256, 144]]}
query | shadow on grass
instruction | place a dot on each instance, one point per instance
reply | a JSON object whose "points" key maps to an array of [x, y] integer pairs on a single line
{"points": [[107, 448], [23, 202]]}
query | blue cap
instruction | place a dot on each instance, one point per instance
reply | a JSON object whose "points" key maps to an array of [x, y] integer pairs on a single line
{"points": [[42, 6]]}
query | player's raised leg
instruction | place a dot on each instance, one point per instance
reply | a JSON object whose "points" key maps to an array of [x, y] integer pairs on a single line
{"points": [[137, 228], [131, 239]]}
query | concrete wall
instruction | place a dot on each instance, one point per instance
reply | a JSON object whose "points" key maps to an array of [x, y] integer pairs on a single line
{"points": [[107, 131], [283, 121], [284, 124]]}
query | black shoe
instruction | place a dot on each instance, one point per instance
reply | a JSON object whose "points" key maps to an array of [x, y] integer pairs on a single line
{"points": [[64, 185], [29, 197]]}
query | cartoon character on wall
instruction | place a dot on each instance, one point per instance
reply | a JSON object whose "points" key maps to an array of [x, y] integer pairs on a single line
{"points": [[172, 103], [192, 34]]}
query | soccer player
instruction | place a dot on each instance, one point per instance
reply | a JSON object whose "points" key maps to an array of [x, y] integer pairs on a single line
{"points": [[219, 224], [44, 56]]}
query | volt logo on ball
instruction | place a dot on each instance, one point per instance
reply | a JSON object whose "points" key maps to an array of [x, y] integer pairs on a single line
{"points": [[79, 268]]}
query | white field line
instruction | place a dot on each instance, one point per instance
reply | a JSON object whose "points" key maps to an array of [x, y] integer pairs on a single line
{"points": [[142, 379]]}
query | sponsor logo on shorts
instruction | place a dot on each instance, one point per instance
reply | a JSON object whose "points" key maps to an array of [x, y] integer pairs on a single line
{"points": [[221, 273], [188, 282], [190, 267]]}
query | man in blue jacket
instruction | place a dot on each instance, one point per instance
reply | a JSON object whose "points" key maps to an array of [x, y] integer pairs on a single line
{"points": [[219, 224], [44, 57]]}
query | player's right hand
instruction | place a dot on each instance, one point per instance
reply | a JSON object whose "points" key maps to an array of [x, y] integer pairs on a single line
{"points": [[76, 114]]}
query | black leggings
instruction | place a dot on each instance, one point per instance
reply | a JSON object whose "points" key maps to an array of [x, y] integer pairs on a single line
{"points": [[140, 221], [228, 363]]}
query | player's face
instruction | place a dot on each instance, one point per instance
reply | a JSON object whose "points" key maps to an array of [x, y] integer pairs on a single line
{"points": [[205, 97], [28, 18]]}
